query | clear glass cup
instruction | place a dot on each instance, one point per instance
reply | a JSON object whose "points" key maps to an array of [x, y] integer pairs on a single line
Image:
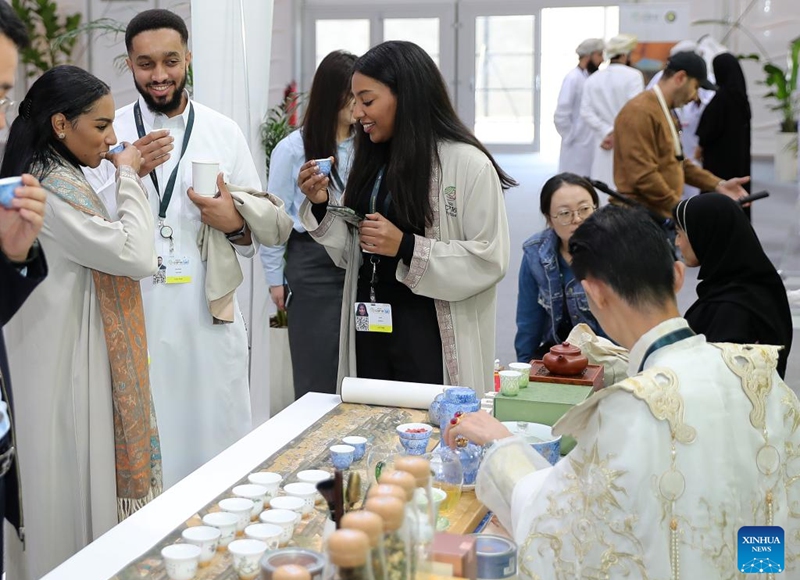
{"points": [[448, 476]]}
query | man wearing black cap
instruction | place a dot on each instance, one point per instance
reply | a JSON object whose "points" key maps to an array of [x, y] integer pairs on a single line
{"points": [[650, 165]]}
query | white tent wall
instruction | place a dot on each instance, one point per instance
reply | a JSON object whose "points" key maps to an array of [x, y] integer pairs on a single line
{"points": [[231, 43]]}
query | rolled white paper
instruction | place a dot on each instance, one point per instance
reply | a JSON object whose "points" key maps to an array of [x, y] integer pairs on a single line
{"points": [[389, 393]]}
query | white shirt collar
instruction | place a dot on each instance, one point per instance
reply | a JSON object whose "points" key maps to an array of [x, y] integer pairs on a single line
{"points": [[149, 117], [636, 357]]}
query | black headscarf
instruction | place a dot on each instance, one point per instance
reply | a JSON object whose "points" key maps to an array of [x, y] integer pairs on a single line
{"points": [[730, 81], [734, 273]]}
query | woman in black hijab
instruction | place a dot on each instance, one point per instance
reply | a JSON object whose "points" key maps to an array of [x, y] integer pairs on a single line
{"points": [[740, 297], [724, 129]]}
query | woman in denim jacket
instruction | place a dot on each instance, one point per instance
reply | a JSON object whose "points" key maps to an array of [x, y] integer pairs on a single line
{"points": [[551, 301]]}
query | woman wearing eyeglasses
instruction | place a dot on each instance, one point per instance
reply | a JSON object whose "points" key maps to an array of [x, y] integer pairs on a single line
{"points": [[551, 301]]}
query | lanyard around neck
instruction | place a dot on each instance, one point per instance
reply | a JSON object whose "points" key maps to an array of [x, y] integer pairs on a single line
{"points": [[676, 141], [165, 199], [373, 200], [666, 340]]}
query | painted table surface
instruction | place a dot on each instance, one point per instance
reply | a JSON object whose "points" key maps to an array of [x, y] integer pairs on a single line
{"points": [[323, 421]]}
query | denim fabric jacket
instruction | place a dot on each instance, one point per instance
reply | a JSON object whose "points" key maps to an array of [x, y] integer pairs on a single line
{"points": [[540, 303]]}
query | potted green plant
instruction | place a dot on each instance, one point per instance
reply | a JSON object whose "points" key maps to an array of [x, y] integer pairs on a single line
{"points": [[44, 24], [783, 85]]}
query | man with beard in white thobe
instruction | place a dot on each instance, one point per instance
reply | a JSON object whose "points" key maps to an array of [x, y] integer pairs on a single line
{"points": [[604, 94], [198, 369], [577, 140], [701, 440]]}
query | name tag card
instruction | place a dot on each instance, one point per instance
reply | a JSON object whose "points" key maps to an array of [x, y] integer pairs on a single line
{"points": [[373, 317]]}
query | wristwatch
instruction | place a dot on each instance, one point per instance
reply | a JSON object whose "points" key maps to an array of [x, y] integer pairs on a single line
{"points": [[238, 234]]}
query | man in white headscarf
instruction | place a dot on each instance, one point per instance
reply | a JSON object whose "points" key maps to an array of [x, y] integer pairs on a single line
{"points": [[689, 115], [604, 94], [577, 140]]}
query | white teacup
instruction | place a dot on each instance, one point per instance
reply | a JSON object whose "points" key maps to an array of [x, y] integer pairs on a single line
{"points": [[525, 373], [313, 476], [305, 491], [181, 561], [284, 519], [246, 556], [204, 177], [254, 492], [270, 534], [509, 383], [268, 479], [226, 524], [241, 507], [288, 502], [207, 538]]}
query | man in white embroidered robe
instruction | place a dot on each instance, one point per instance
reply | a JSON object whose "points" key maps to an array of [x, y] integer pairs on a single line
{"points": [[199, 369], [670, 463]]}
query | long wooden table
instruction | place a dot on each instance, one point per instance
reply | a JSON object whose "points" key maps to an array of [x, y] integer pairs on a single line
{"points": [[298, 438]]}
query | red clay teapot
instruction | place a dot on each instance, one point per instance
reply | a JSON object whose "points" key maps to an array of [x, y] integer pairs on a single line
{"points": [[565, 360]]}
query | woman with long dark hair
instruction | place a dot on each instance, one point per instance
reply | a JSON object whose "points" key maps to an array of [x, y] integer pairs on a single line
{"points": [[433, 245], [314, 281], [741, 297], [551, 301], [85, 425]]}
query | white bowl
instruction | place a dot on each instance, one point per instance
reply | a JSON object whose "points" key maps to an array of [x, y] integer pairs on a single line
{"points": [[226, 523], [241, 507], [305, 491], [206, 537], [287, 502], [270, 534], [256, 493], [284, 519], [180, 560], [246, 555]]}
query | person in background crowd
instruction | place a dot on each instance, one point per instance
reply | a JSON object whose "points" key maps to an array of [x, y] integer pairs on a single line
{"points": [[434, 244], [550, 300], [577, 142], [199, 363], [724, 130], [604, 94], [741, 297], [650, 165], [701, 440], [688, 116], [87, 429], [22, 269], [314, 280]]}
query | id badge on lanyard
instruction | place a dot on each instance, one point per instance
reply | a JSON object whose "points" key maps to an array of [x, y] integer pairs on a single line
{"points": [[374, 316], [172, 269]]}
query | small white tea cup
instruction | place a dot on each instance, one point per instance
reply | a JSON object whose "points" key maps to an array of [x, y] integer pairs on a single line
{"points": [[181, 560], [241, 507], [254, 492], [284, 519], [305, 491], [207, 538], [246, 556], [270, 534], [226, 523]]}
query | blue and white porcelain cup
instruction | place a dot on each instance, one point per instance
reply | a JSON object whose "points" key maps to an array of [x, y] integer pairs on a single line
{"points": [[7, 187], [324, 166], [342, 456], [358, 443]]}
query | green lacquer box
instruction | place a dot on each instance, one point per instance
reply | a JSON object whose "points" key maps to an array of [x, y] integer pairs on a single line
{"points": [[542, 403]]}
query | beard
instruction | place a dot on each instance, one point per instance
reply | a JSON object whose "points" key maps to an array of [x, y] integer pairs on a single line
{"points": [[163, 106], [591, 67]]}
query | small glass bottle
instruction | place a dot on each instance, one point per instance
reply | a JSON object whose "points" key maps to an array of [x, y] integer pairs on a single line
{"points": [[424, 510], [291, 572], [408, 484], [371, 524], [349, 553], [392, 512]]}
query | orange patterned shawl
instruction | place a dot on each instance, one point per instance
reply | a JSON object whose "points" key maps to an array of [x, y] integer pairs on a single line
{"points": [[136, 443]]}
